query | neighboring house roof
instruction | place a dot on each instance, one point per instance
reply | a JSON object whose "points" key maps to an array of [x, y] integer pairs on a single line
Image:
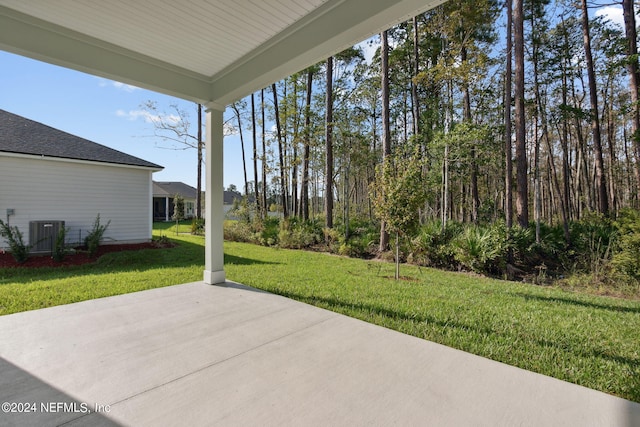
{"points": [[170, 189], [230, 196], [23, 136]]}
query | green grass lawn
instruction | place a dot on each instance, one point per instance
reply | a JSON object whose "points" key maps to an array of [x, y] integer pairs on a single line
{"points": [[584, 339]]}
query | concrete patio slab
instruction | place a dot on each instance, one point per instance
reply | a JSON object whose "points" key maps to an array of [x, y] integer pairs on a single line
{"points": [[230, 355]]}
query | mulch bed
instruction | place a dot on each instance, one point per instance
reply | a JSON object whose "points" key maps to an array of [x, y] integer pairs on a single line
{"points": [[78, 258]]}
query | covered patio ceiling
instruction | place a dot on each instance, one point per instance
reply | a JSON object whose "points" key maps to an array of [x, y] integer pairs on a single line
{"points": [[207, 51]]}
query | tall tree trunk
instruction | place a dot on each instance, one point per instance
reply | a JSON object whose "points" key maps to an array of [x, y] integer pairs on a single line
{"points": [[611, 140], [416, 71], [542, 116], [634, 78], [244, 159], [582, 173], [537, 190], [564, 138], [304, 199], [199, 173], [522, 196], [264, 158], [283, 184], [446, 208], [294, 142], [328, 191], [386, 132], [556, 184], [508, 181], [466, 107], [256, 194], [601, 180]]}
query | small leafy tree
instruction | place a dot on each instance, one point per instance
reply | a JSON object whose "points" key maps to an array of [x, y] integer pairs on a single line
{"points": [[19, 249], [92, 241], [178, 210], [400, 192]]}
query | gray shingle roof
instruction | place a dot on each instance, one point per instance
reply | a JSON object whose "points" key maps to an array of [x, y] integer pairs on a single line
{"points": [[23, 136], [170, 189]]}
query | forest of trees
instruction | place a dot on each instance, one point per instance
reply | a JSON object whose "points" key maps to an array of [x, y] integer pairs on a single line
{"points": [[523, 113]]}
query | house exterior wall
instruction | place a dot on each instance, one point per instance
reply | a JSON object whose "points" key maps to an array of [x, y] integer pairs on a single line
{"points": [[76, 192]]}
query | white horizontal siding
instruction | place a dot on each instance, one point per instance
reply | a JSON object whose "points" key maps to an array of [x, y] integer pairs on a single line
{"points": [[43, 189]]}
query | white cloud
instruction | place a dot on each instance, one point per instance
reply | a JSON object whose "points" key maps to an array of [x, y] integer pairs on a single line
{"points": [[148, 117], [125, 87], [120, 86], [613, 14]]}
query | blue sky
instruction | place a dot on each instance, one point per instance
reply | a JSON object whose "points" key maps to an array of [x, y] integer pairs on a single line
{"points": [[105, 112]]}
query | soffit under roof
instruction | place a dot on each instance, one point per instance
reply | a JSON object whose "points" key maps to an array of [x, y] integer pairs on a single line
{"points": [[203, 50]]}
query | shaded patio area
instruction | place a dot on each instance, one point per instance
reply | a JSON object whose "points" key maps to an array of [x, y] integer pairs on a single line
{"points": [[203, 355]]}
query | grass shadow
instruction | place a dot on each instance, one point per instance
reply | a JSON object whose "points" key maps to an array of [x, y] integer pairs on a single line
{"points": [[586, 304], [236, 260], [346, 307], [588, 353]]}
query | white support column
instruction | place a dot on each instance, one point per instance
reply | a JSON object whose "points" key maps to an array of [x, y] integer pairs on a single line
{"points": [[166, 208], [214, 210]]}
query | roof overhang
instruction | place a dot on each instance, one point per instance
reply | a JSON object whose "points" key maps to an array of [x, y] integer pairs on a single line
{"points": [[62, 33], [156, 168]]}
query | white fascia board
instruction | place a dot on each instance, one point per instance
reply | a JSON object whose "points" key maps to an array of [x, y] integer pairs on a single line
{"points": [[77, 161], [335, 26], [34, 38]]}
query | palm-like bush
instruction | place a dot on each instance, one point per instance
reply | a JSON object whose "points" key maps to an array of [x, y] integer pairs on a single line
{"points": [[432, 245], [13, 235], [627, 259], [481, 249]]}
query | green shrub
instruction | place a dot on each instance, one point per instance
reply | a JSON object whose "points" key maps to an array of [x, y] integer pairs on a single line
{"points": [[197, 226], [18, 248], [270, 228], [242, 210], [592, 241], [298, 234], [162, 241], [552, 241], [626, 260], [362, 241], [482, 249], [59, 246], [361, 245], [432, 245], [295, 239], [332, 239], [521, 241], [237, 231], [92, 240]]}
